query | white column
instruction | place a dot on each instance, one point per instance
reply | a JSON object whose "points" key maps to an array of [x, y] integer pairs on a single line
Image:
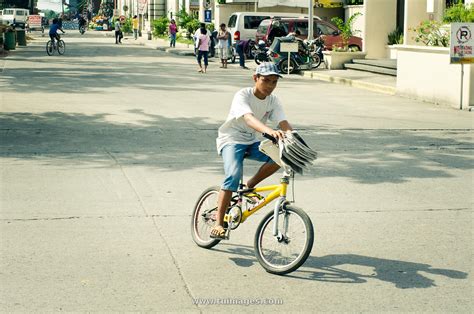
{"points": [[380, 19]]}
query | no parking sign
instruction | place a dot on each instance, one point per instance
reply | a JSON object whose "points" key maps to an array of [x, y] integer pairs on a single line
{"points": [[462, 43], [461, 49]]}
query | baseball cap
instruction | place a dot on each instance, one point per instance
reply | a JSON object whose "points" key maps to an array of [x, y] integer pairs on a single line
{"points": [[267, 68]]}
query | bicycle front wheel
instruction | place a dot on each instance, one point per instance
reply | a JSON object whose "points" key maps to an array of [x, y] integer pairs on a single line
{"points": [[49, 48], [286, 253], [61, 47], [204, 218]]}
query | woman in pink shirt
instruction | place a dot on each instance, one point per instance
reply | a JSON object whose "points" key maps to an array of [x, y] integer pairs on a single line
{"points": [[203, 49], [172, 31]]}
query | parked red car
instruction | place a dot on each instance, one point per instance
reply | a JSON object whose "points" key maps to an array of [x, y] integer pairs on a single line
{"points": [[279, 27]]}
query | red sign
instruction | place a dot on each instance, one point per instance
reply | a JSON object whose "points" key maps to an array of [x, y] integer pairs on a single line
{"points": [[34, 21]]}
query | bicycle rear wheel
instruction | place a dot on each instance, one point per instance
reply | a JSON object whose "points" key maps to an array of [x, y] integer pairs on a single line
{"points": [[204, 218], [61, 47], [49, 48], [286, 254]]}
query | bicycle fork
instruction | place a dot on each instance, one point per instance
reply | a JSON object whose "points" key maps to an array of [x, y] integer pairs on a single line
{"points": [[276, 232]]}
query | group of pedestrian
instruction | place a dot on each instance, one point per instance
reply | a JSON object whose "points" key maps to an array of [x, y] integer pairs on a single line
{"points": [[119, 33], [202, 40]]}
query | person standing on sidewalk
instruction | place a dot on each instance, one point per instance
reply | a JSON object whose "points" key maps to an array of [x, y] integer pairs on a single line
{"points": [[135, 27], [203, 50], [241, 46], [118, 32], [223, 37], [172, 29], [196, 35]]}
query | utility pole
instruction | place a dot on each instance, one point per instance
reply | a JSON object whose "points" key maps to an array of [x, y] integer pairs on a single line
{"points": [[310, 20]]}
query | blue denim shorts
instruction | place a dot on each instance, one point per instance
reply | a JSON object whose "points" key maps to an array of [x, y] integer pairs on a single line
{"points": [[233, 156]]}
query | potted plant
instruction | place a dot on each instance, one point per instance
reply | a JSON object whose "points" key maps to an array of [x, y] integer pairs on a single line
{"points": [[394, 38], [336, 58]]}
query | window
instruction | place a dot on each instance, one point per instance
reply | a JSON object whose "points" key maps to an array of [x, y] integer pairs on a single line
{"points": [[7, 12], [302, 27], [232, 21], [252, 22], [263, 27], [322, 29]]}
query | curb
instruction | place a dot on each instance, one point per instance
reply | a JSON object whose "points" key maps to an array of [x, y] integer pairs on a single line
{"points": [[384, 89], [156, 46]]}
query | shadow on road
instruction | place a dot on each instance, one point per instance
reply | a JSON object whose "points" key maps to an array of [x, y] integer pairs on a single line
{"points": [[155, 141], [333, 268]]}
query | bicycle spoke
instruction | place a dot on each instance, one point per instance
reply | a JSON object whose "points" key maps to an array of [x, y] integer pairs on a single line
{"points": [[285, 252]]}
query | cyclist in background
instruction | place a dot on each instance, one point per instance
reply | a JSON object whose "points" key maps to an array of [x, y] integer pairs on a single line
{"points": [[53, 30], [82, 22]]}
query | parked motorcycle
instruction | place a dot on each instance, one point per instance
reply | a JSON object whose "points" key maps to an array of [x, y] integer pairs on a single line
{"points": [[316, 47], [301, 60], [261, 53]]}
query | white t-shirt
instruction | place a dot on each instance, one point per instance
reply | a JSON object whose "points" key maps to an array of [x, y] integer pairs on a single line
{"points": [[235, 130], [223, 43]]}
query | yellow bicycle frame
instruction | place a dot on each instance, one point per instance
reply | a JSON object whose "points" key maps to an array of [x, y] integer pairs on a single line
{"points": [[278, 190]]}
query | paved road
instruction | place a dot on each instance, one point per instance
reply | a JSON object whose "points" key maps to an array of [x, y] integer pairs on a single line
{"points": [[105, 149]]}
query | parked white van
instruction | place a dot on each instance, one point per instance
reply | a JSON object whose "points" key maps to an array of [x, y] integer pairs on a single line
{"points": [[243, 25], [15, 16]]}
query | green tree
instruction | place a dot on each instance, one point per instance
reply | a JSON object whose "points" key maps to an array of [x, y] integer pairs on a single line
{"points": [[459, 13], [346, 28], [188, 22], [160, 26]]}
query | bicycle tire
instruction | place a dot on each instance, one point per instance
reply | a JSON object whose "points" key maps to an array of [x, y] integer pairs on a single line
{"points": [[61, 47], [265, 232], [201, 230], [49, 48]]}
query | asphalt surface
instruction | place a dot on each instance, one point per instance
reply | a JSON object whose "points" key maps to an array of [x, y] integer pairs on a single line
{"points": [[105, 149]]}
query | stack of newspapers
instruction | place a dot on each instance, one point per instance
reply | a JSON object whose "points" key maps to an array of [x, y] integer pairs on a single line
{"points": [[292, 152]]}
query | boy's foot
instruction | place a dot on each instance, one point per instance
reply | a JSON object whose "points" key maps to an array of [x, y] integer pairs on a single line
{"points": [[218, 232]]}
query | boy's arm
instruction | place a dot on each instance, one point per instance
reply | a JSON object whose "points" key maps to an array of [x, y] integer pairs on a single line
{"points": [[285, 126], [258, 126]]}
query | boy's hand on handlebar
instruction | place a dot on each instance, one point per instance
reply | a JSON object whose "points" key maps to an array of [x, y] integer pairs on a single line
{"points": [[278, 134]]}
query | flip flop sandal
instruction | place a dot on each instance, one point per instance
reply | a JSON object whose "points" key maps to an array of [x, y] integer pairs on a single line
{"points": [[218, 232]]}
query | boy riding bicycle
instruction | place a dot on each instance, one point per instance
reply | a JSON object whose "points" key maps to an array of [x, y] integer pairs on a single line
{"points": [[53, 30], [250, 110]]}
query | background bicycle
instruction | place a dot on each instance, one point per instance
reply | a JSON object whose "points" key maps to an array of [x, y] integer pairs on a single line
{"points": [[58, 45]]}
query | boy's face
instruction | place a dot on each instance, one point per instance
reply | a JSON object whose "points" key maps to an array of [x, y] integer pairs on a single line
{"points": [[265, 84]]}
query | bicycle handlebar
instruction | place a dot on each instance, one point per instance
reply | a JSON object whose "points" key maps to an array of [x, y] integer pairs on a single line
{"points": [[271, 138]]}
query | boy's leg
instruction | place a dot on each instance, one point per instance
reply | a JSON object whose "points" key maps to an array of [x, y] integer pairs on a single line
{"points": [[223, 202], [266, 170], [233, 156]]}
